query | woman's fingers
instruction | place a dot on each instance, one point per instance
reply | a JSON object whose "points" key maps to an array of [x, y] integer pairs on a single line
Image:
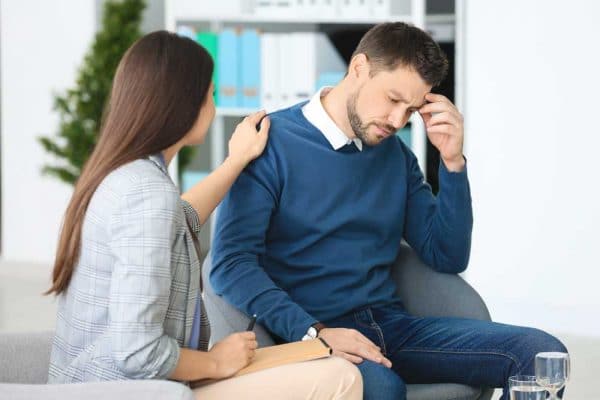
{"points": [[256, 117], [264, 126]]}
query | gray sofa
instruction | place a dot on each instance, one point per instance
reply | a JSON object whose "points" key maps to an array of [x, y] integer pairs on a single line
{"points": [[415, 281], [24, 362]]}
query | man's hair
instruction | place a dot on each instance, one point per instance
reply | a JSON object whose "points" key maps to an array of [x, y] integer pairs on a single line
{"points": [[394, 44]]}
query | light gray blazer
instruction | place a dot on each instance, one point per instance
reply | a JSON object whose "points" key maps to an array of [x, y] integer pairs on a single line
{"points": [[130, 304]]}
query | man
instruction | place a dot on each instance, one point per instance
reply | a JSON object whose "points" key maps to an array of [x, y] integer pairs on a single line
{"points": [[307, 235]]}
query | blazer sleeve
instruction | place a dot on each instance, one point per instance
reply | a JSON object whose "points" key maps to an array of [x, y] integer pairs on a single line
{"points": [[191, 216], [142, 230]]}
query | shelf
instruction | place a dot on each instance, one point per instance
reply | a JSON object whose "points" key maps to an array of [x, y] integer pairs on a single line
{"points": [[293, 20], [241, 19]]}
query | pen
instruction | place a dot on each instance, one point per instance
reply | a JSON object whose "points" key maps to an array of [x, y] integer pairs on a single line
{"points": [[251, 324]]}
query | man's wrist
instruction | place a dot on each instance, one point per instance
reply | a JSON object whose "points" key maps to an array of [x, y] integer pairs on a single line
{"points": [[455, 165], [319, 327], [313, 331]]}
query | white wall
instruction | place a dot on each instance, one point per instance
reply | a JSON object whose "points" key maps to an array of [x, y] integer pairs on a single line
{"points": [[533, 139], [42, 44]]}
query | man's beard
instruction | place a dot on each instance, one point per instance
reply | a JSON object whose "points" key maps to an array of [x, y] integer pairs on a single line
{"points": [[358, 127]]}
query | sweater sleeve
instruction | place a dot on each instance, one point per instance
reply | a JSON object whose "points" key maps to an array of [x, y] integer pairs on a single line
{"points": [[239, 245], [439, 228]]}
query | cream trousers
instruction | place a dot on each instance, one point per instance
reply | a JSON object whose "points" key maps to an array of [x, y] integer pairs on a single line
{"points": [[330, 378]]}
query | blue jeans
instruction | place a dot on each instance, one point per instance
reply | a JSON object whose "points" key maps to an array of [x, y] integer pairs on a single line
{"points": [[477, 353]]}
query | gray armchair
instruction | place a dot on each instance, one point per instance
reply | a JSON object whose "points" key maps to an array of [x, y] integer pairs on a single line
{"points": [[454, 298], [24, 360]]}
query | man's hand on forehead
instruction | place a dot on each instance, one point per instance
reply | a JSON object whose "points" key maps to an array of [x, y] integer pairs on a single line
{"points": [[444, 125]]}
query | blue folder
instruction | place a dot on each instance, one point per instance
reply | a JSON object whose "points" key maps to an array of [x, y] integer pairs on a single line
{"points": [[250, 68], [228, 65]]}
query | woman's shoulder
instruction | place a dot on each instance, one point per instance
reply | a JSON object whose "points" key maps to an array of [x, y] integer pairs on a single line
{"points": [[141, 177]]}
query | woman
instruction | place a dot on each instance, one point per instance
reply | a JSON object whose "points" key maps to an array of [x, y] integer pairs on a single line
{"points": [[127, 271]]}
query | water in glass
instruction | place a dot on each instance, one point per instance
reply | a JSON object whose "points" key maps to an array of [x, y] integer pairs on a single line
{"points": [[552, 371]]}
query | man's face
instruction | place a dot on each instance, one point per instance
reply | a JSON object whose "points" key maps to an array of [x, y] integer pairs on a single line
{"points": [[382, 104]]}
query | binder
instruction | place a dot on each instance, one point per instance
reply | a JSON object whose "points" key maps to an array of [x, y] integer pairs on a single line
{"points": [[326, 9], [380, 8], [250, 68], [228, 69], [314, 9], [287, 70], [314, 57], [275, 8], [270, 95], [210, 40], [302, 66], [359, 9], [300, 63]]}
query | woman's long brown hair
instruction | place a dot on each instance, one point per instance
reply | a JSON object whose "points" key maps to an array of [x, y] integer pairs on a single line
{"points": [[158, 90]]}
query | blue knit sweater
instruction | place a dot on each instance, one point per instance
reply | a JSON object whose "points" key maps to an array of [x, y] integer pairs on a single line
{"points": [[308, 233]]}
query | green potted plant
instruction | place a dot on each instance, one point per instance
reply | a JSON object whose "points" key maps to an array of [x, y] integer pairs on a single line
{"points": [[80, 108]]}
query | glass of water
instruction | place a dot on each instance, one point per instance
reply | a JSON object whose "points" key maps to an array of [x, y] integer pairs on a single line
{"points": [[525, 387], [552, 371]]}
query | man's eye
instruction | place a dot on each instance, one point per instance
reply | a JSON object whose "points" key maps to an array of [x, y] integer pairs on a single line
{"points": [[394, 100]]}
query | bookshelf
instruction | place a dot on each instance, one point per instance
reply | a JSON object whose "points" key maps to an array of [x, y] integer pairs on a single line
{"points": [[277, 19]]}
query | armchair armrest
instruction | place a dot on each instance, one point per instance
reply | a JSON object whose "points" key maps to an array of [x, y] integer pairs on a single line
{"points": [[224, 318], [426, 292]]}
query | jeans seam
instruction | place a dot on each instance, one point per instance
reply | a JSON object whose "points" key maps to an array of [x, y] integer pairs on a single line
{"points": [[479, 352], [380, 334]]}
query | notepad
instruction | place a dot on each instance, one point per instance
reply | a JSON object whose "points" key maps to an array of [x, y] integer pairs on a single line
{"points": [[274, 356]]}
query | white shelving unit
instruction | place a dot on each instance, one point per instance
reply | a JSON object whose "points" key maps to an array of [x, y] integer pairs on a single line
{"points": [[227, 12]]}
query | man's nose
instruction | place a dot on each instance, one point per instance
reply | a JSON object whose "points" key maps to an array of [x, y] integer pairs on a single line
{"points": [[396, 120]]}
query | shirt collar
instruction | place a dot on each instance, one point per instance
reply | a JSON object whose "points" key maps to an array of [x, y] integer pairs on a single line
{"points": [[316, 115], [159, 160]]}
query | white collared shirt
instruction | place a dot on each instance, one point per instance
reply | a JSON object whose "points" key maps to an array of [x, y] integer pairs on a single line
{"points": [[316, 115]]}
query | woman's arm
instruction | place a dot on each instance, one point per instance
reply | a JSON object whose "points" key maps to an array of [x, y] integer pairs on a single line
{"points": [[245, 145], [208, 193]]}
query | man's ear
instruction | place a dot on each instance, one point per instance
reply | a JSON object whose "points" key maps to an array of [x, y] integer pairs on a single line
{"points": [[359, 67]]}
